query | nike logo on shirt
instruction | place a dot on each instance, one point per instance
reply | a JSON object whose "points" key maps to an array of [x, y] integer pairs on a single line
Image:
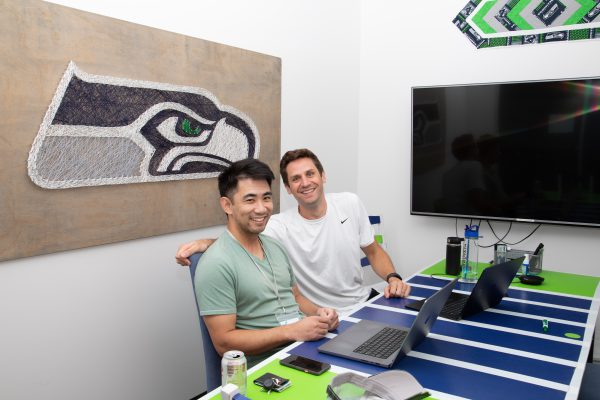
{"points": [[344, 220]]}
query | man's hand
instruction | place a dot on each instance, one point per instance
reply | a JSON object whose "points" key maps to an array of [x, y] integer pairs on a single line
{"points": [[331, 315], [309, 328], [396, 288], [186, 250]]}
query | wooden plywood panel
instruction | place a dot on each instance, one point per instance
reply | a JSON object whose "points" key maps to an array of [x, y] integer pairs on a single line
{"points": [[40, 41]]}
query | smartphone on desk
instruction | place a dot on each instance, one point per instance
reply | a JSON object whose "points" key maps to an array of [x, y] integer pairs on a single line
{"points": [[305, 364]]}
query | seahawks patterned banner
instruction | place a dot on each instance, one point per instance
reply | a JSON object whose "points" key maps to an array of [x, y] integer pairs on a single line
{"points": [[493, 23], [102, 130]]}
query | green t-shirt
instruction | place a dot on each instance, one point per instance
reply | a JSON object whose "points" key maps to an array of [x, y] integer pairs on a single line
{"points": [[229, 282]]}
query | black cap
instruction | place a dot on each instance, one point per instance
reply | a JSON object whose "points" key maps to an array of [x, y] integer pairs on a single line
{"points": [[454, 240]]}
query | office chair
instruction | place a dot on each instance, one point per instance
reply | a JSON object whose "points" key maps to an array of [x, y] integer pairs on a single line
{"points": [[590, 384], [212, 359]]}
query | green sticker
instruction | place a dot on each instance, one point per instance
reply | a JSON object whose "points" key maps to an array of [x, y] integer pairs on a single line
{"points": [[573, 335]]}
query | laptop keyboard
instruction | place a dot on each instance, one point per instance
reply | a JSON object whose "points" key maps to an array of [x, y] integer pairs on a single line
{"points": [[453, 310], [383, 344]]}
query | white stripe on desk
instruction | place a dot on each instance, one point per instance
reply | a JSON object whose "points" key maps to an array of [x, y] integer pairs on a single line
{"points": [[444, 396], [392, 309], [485, 346], [506, 350], [538, 317], [491, 371], [549, 305], [535, 303], [489, 326], [575, 296]]}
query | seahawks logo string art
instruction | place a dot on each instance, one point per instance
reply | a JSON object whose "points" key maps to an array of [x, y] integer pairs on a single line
{"points": [[102, 130]]}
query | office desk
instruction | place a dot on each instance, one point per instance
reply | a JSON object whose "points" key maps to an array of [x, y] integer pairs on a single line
{"points": [[497, 354]]}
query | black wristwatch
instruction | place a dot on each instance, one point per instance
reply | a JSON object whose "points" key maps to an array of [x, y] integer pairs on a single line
{"points": [[392, 275]]}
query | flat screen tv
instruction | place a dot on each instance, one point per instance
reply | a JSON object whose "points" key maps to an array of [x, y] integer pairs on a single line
{"points": [[518, 151]]}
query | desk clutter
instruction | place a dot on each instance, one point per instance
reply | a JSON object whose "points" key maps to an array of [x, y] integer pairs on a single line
{"points": [[533, 344], [387, 385]]}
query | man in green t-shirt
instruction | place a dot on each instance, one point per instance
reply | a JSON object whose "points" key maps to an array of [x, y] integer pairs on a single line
{"points": [[245, 286]]}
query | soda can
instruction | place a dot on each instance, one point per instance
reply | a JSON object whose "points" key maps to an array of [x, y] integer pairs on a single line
{"points": [[233, 369]]}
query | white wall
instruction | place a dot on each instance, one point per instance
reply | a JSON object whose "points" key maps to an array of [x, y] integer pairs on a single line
{"points": [[119, 321], [417, 45]]}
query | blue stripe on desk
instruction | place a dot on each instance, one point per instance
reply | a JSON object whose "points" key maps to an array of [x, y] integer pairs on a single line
{"points": [[507, 305], [548, 312], [550, 299], [442, 377], [516, 322], [525, 324], [493, 359], [541, 297], [510, 340]]}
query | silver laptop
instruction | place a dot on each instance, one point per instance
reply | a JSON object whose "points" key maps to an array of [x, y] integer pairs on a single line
{"points": [[380, 344]]}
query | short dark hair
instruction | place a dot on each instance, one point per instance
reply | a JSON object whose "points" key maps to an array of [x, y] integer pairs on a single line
{"points": [[294, 155], [250, 168]]}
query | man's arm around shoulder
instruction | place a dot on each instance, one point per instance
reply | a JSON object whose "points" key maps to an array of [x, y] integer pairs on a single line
{"points": [[186, 250]]}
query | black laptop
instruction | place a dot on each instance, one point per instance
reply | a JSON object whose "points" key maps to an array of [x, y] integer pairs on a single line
{"points": [[381, 344], [489, 290]]}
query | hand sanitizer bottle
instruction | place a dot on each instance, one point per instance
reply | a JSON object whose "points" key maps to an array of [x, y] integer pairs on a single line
{"points": [[525, 266]]}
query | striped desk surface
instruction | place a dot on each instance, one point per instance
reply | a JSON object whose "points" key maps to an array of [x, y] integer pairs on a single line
{"points": [[499, 353]]}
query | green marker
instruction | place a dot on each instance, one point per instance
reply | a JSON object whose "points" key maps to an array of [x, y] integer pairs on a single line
{"points": [[545, 326]]}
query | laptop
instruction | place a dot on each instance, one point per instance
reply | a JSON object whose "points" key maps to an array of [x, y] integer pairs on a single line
{"points": [[381, 344], [489, 290]]}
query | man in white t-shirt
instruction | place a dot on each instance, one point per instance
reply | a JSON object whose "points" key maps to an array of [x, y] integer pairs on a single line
{"points": [[325, 237]]}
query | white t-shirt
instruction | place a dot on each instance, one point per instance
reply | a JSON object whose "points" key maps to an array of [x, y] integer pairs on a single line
{"points": [[326, 252]]}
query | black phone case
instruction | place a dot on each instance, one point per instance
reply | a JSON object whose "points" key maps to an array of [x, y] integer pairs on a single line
{"points": [[307, 370], [278, 383]]}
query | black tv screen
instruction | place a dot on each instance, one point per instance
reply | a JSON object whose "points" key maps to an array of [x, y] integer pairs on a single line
{"points": [[519, 151]]}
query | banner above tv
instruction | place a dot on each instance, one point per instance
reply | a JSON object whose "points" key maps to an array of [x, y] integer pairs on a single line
{"points": [[493, 23], [521, 151]]}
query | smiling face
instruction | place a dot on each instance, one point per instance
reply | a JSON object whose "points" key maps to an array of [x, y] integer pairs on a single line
{"points": [[249, 208], [305, 183]]}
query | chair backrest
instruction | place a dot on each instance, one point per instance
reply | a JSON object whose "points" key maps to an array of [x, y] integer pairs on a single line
{"points": [[212, 359], [375, 221]]}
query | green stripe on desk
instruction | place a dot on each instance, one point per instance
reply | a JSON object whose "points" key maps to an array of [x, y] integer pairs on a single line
{"points": [[304, 386], [557, 282]]}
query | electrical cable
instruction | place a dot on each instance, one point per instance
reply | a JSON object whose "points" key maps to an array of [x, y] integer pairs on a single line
{"points": [[526, 237], [501, 240]]}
